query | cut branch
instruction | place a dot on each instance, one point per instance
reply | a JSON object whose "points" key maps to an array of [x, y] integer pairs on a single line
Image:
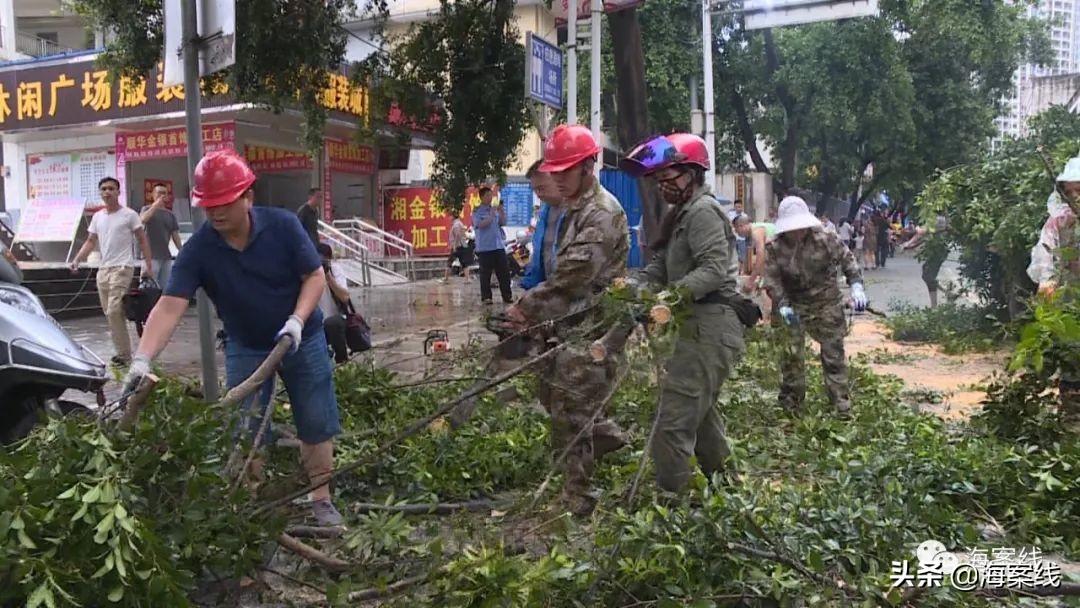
{"points": [[440, 508], [418, 425], [136, 401], [312, 554]]}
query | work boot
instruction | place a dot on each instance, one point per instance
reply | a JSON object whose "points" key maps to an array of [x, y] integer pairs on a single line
{"points": [[325, 514], [579, 505], [790, 405], [843, 408], [607, 438]]}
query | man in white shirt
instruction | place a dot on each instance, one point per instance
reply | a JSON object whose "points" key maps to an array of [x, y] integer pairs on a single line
{"points": [[846, 233], [114, 230]]}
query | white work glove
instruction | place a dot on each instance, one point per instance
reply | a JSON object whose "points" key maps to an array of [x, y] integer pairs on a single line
{"points": [[859, 301], [293, 328], [140, 367], [787, 313]]}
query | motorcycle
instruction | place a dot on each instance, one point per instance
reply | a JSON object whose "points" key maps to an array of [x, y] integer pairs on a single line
{"points": [[518, 253], [39, 362]]}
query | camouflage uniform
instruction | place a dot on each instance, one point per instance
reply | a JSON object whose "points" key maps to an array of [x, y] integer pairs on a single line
{"points": [[700, 258], [592, 247], [803, 275]]}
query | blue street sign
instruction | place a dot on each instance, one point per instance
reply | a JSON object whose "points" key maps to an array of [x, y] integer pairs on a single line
{"points": [[544, 70], [518, 200]]}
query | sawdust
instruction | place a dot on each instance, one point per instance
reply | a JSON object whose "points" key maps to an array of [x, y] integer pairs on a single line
{"points": [[924, 368]]}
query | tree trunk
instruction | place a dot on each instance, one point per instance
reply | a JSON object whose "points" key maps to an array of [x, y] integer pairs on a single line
{"points": [[632, 123], [746, 131]]}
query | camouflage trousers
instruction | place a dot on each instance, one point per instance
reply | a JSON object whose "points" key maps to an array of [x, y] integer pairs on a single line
{"points": [[708, 347], [571, 387], [826, 325]]}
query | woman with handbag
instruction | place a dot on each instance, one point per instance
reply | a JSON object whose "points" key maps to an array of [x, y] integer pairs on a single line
{"points": [[330, 304]]}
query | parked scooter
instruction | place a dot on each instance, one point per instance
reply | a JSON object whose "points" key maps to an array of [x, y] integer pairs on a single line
{"points": [[518, 252], [39, 362]]}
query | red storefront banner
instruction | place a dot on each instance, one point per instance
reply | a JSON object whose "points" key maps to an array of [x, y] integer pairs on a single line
{"points": [[414, 214], [265, 159], [172, 143], [350, 158]]}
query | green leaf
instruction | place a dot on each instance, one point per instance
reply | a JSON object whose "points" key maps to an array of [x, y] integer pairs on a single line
{"points": [[69, 492], [42, 595], [93, 495], [116, 594], [24, 541]]}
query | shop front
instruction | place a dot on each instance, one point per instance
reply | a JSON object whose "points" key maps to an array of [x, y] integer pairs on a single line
{"points": [[65, 125]]}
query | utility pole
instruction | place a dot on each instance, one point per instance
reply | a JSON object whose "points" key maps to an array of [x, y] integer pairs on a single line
{"points": [[571, 61], [193, 115], [710, 108], [594, 76]]}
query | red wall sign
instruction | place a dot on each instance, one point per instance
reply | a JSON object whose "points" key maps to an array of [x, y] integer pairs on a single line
{"points": [[172, 143], [414, 214], [264, 159], [350, 158]]}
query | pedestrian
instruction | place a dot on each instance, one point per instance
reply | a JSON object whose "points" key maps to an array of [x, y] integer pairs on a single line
{"points": [[161, 228], [881, 227], [265, 279], [581, 252], [695, 255], [741, 243], [758, 235], [826, 224], [933, 249], [491, 247], [458, 249], [333, 302], [869, 242], [846, 233], [115, 230], [9, 267], [1055, 268], [309, 214], [800, 275]]}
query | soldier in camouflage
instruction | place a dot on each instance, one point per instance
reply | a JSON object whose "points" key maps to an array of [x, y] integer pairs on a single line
{"points": [[695, 255], [800, 276], [581, 252]]}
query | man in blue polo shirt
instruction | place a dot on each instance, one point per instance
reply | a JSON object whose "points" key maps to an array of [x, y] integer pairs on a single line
{"points": [[265, 278], [487, 222]]}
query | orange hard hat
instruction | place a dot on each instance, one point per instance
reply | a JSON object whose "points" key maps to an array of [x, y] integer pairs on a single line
{"points": [[220, 178], [568, 146]]}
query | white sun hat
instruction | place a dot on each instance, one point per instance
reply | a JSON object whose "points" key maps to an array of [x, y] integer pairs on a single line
{"points": [[793, 215], [1071, 173]]}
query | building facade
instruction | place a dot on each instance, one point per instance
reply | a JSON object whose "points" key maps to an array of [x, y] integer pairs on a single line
{"points": [[1028, 88]]}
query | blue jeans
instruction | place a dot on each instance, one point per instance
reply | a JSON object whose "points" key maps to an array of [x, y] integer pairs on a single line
{"points": [[162, 271], [309, 381]]}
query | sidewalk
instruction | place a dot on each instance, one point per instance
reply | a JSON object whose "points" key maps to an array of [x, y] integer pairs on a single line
{"points": [[400, 317]]}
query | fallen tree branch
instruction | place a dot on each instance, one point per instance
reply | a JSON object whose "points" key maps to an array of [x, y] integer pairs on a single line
{"points": [[245, 389], [1062, 590], [581, 433], [392, 589], [315, 531], [441, 508], [415, 427], [312, 554], [293, 579], [136, 401]]}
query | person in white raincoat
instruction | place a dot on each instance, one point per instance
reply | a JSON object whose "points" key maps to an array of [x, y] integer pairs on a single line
{"points": [[1051, 266], [1058, 232]]}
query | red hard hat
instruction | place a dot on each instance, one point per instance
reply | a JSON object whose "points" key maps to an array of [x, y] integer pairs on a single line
{"points": [[692, 148], [568, 146], [220, 178]]}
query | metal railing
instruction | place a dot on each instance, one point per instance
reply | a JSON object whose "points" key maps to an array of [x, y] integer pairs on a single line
{"points": [[29, 44], [351, 249], [380, 243]]}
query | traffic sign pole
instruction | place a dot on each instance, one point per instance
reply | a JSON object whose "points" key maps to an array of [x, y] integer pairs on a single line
{"points": [[193, 116]]}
